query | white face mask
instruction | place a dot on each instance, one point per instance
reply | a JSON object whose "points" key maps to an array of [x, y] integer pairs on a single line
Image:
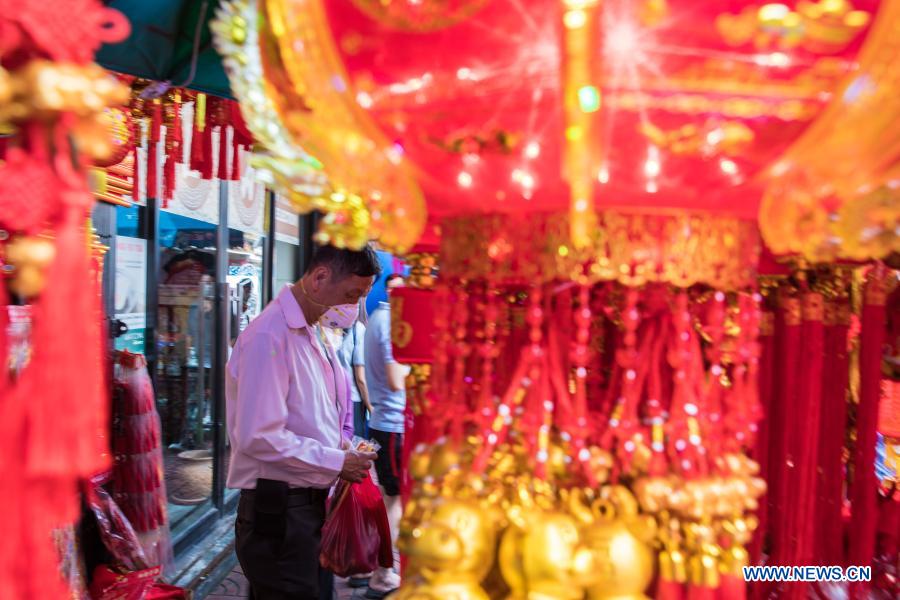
{"points": [[341, 316]]}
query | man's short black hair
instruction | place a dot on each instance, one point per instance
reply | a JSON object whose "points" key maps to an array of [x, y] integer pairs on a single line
{"points": [[392, 277], [343, 262]]}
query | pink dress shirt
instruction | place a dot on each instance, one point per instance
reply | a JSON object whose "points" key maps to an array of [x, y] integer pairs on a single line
{"points": [[287, 402]]}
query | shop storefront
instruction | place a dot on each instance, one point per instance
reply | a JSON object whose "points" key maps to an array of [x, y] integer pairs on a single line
{"points": [[180, 283]]}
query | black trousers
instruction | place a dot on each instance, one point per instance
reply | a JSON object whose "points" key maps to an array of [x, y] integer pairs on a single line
{"points": [[388, 463], [280, 557]]}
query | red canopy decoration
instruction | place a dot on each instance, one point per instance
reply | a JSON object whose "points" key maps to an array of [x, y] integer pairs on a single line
{"points": [[596, 174]]}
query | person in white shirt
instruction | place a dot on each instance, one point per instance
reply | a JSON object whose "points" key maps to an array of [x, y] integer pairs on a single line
{"points": [[289, 421]]}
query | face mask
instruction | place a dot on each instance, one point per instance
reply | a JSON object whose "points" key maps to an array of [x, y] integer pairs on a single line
{"points": [[341, 316]]}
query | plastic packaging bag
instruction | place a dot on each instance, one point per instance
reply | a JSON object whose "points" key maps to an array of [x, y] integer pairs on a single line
{"points": [[356, 537], [137, 483]]}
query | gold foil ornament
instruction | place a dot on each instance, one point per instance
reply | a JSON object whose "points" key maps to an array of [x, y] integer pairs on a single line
{"points": [[541, 556], [450, 552], [617, 537]]}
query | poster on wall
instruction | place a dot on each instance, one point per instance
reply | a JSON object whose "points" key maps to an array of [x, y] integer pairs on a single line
{"points": [[287, 221], [247, 202], [131, 292]]}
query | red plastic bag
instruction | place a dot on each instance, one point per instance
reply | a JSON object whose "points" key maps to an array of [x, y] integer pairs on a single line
{"points": [[356, 537], [133, 585]]}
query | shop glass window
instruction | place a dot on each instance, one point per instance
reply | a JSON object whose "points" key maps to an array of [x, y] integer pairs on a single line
{"points": [[186, 342]]}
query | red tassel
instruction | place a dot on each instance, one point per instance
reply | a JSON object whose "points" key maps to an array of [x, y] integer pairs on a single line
{"points": [[809, 417], [168, 179], [207, 170], [177, 132], [136, 176], [153, 150], [222, 172], [235, 161], [669, 590], [864, 487], [4, 340], [197, 148], [68, 406], [763, 437], [830, 540], [732, 587], [701, 592], [800, 487], [787, 365]]}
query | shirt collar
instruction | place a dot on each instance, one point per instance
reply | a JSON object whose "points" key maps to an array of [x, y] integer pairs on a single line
{"points": [[293, 314]]}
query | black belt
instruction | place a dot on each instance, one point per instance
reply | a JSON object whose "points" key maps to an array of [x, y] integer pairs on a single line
{"points": [[296, 496]]}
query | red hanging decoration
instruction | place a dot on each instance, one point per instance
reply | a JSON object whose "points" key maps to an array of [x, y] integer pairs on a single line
{"points": [[153, 149], [53, 413], [863, 490]]}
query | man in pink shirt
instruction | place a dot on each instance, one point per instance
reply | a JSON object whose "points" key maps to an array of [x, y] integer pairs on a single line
{"points": [[289, 422]]}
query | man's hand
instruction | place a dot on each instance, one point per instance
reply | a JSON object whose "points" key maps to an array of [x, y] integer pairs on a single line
{"points": [[357, 465]]}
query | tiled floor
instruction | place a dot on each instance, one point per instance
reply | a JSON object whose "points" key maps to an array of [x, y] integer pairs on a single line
{"points": [[235, 586]]}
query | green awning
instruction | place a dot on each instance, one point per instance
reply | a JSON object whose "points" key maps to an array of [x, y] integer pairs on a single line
{"points": [[170, 41]]}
